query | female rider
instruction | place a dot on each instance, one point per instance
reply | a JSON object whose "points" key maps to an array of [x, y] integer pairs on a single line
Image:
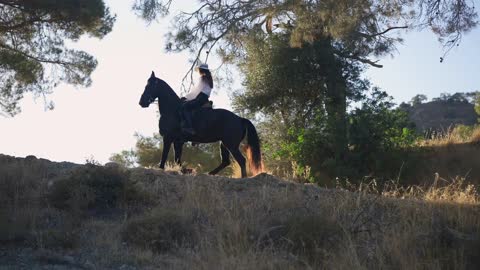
{"points": [[197, 96]]}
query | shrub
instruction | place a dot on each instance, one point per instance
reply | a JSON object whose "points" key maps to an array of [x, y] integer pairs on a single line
{"points": [[160, 230], [21, 188], [91, 187], [311, 236], [64, 238]]}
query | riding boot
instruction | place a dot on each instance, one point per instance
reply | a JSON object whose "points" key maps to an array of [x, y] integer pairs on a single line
{"points": [[187, 127]]}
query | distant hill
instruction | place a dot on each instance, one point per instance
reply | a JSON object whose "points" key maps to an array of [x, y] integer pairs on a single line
{"points": [[441, 114]]}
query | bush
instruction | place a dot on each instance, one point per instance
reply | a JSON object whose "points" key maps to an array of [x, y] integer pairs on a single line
{"points": [[64, 238], [311, 236], [92, 186], [21, 189], [161, 230]]}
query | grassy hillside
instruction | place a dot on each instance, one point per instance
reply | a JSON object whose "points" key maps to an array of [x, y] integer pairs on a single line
{"points": [[452, 154], [67, 216]]}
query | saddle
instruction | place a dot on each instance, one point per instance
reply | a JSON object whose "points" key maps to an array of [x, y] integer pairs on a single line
{"points": [[208, 105]]}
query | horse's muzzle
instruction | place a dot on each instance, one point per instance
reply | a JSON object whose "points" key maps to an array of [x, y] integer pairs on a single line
{"points": [[144, 102]]}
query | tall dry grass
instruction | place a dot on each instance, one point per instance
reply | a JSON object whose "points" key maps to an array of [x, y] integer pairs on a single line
{"points": [[451, 154], [459, 134], [202, 222], [277, 225]]}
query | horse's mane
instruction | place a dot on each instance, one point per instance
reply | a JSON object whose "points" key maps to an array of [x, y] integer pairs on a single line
{"points": [[167, 88]]}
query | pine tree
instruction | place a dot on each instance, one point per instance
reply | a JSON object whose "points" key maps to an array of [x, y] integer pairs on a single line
{"points": [[353, 31], [33, 55]]}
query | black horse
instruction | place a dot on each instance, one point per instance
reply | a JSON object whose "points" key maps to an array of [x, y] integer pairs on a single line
{"points": [[211, 125]]}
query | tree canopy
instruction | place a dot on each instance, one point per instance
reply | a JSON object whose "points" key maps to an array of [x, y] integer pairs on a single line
{"points": [[33, 55], [351, 33], [367, 28], [302, 60], [418, 99]]}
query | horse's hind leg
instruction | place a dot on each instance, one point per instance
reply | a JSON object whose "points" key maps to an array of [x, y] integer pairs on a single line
{"points": [[240, 159], [225, 160]]}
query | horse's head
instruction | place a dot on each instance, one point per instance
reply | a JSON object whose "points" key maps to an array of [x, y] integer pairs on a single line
{"points": [[149, 94]]}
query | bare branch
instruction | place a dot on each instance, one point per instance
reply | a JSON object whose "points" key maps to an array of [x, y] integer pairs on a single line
{"points": [[358, 58], [383, 32]]}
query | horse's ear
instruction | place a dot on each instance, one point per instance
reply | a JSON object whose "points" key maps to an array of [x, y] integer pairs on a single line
{"points": [[153, 75]]}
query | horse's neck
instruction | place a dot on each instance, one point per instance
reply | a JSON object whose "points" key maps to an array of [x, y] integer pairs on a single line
{"points": [[168, 101], [168, 109]]}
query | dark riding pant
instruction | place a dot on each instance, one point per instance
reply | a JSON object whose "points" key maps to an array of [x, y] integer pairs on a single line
{"points": [[187, 109]]}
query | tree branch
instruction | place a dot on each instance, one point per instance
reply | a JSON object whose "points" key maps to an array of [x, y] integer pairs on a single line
{"points": [[42, 60], [360, 59], [383, 32]]}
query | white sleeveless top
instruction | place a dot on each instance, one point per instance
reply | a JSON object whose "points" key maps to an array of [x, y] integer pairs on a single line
{"points": [[200, 87]]}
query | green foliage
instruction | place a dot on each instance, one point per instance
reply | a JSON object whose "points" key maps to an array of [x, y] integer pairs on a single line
{"points": [[362, 28], [378, 130], [281, 79], [418, 99], [467, 97], [302, 62], [148, 153], [376, 126], [150, 10], [126, 158], [33, 56], [477, 103], [296, 93]]}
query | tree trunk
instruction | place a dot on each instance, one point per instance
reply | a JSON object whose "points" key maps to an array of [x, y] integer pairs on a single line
{"points": [[336, 107]]}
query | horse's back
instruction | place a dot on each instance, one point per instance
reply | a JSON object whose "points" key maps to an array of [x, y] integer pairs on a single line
{"points": [[216, 124]]}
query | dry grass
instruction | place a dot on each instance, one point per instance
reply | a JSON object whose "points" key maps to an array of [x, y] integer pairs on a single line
{"points": [[454, 154], [271, 225], [201, 222], [456, 190], [456, 135]]}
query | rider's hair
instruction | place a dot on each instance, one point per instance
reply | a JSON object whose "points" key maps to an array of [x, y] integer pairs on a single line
{"points": [[206, 76]]}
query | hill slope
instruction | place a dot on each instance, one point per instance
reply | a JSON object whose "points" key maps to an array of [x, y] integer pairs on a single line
{"points": [[68, 216], [441, 115]]}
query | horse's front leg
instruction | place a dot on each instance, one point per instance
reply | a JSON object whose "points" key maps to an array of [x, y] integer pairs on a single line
{"points": [[167, 142], [178, 148]]}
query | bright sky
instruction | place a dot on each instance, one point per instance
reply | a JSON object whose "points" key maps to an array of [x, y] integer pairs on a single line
{"points": [[101, 120]]}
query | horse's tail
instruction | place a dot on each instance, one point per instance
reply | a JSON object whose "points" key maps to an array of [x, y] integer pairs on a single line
{"points": [[254, 154]]}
